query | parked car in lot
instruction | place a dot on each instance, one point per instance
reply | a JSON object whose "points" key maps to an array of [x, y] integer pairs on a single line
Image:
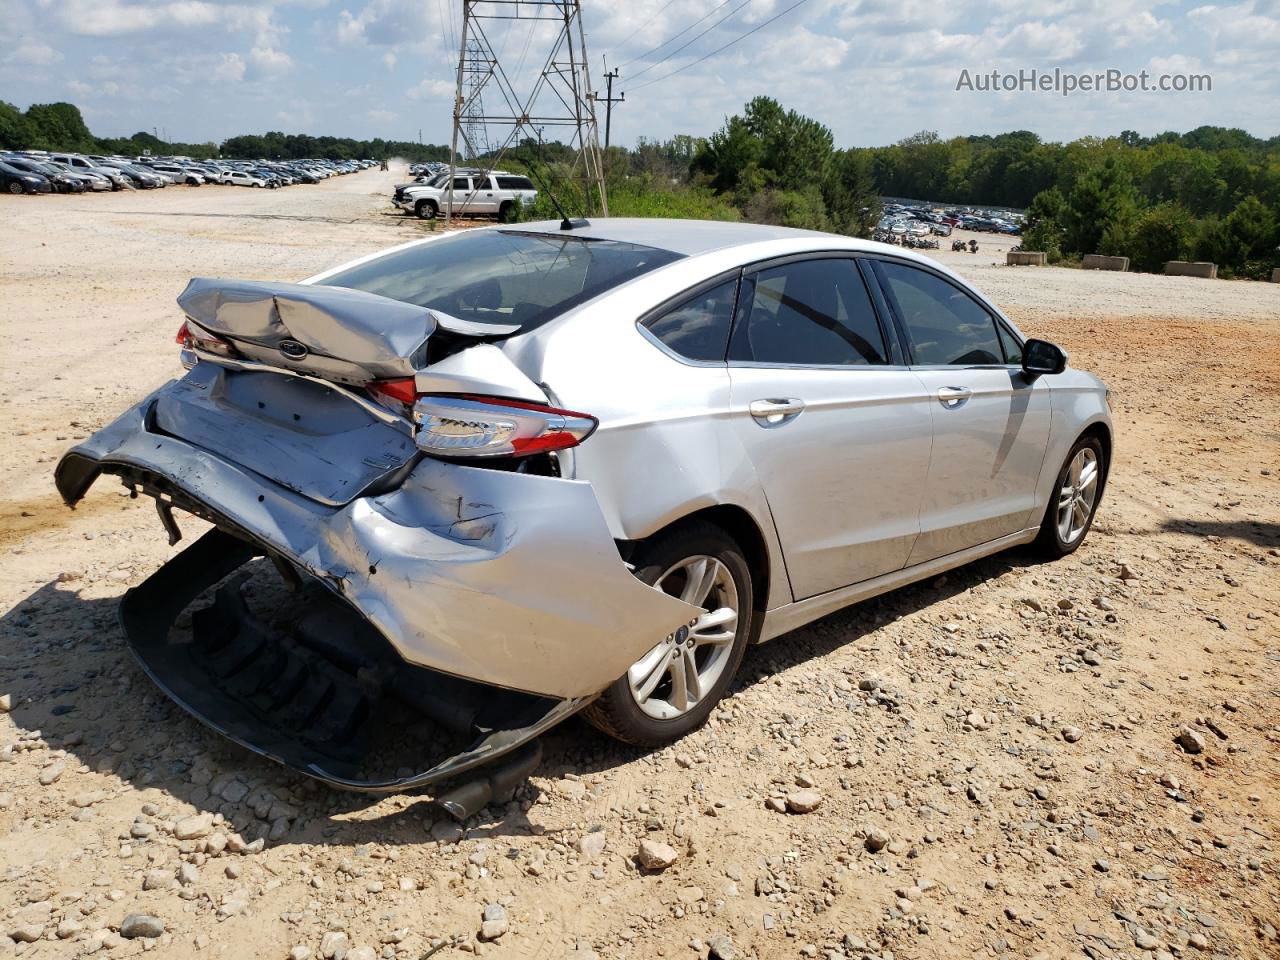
{"points": [[13, 180], [242, 178], [92, 181], [475, 194], [62, 182], [431, 479], [142, 177]]}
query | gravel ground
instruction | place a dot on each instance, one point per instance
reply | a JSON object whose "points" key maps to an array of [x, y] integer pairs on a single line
{"points": [[1068, 760]]}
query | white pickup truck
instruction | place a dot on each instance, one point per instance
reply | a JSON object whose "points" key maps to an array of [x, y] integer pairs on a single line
{"points": [[498, 194]]}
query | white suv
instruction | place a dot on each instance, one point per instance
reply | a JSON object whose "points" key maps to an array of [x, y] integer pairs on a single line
{"points": [[240, 178], [498, 194]]}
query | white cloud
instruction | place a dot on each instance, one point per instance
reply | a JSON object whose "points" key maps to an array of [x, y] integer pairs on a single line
{"points": [[231, 68], [268, 61], [33, 53], [108, 18], [431, 89]]}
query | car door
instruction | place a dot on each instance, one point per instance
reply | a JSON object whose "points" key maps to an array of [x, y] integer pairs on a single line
{"points": [[990, 422], [485, 200], [838, 429]]}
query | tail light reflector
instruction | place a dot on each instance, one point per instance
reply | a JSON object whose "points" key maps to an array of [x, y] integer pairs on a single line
{"points": [[468, 425], [193, 337]]}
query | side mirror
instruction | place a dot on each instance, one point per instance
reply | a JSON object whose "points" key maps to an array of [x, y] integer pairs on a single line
{"points": [[1040, 357]]}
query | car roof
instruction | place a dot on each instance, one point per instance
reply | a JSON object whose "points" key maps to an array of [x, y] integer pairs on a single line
{"points": [[687, 237]]}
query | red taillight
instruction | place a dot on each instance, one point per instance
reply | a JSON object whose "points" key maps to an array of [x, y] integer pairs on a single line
{"points": [[468, 425], [193, 337], [401, 391]]}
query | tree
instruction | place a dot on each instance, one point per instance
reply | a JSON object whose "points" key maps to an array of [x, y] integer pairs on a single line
{"points": [[1161, 234], [59, 126], [1244, 243], [1103, 202], [15, 129], [853, 206], [1043, 231]]}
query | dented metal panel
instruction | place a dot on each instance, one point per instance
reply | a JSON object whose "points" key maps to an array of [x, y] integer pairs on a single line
{"points": [[302, 434], [343, 332], [506, 578]]}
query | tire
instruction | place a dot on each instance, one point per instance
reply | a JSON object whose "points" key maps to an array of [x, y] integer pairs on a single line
{"points": [[507, 212], [15, 188], [617, 711], [1055, 540], [426, 209]]}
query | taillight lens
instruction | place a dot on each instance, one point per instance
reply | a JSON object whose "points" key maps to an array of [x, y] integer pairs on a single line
{"points": [[193, 337], [475, 426]]}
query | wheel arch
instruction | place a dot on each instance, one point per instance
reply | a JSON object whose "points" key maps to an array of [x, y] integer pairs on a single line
{"points": [[739, 525], [1102, 430]]}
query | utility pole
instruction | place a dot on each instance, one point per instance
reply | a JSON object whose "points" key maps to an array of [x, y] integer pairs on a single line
{"points": [[609, 101]]}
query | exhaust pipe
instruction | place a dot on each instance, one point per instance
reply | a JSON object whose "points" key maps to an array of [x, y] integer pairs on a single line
{"points": [[499, 783]]}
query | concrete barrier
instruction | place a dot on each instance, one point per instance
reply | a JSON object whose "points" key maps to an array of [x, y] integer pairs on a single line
{"points": [[1025, 258], [1188, 268], [1096, 261], [1275, 274]]}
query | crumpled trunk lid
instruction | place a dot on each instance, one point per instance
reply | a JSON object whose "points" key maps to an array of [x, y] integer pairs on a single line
{"points": [[339, 334]]}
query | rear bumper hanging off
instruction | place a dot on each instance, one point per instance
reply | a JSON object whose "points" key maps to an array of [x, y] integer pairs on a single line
{"points": [[462, 578]]}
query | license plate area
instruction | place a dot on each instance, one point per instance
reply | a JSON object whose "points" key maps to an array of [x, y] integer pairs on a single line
{"points": [[303, 435]]}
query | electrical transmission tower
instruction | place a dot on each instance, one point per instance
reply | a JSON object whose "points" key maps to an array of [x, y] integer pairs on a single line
{"points": [[475, 70], [496, 109]]}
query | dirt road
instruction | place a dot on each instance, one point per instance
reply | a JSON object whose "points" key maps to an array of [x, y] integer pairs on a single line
{"points": [[995, 751]]}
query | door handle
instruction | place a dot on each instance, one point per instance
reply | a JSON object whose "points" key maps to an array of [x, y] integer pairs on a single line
{"points": [[952, 397], [776, 412]]}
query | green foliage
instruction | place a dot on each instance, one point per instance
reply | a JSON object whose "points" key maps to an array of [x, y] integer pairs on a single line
{"points": [[1244, 243], [1043, 230], [15, 129], [58, 126], [1163, 233]]}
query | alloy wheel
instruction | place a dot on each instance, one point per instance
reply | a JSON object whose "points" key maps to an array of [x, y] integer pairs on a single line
{"points": [[1077, 496], [677, 673]]}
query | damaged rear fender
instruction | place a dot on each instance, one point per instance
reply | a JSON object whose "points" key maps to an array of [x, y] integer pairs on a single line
{"points": [[504, 578]]}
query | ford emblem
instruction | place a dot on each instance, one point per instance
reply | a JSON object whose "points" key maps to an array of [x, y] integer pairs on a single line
{"points": [[293, 350]]}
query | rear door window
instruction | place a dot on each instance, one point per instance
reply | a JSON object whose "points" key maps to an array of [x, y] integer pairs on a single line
{"points": [[946, 326], [698, 329], [810, 313]]}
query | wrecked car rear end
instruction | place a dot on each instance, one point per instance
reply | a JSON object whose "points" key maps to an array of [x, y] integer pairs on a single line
{"points": [[366, 609]]}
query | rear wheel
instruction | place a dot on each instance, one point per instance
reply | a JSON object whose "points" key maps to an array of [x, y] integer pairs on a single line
{"points": [[426, 209], [1075, 500], [15, 187], [507, 212], [673, 688]]}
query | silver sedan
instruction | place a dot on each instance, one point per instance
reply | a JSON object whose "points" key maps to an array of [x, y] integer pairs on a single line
{"points": [[512, 473]]}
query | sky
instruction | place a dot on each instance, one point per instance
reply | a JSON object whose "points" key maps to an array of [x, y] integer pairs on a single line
{"points": [[873, 71]]}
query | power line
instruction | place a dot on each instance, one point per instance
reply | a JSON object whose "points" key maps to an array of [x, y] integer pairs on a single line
{"points": [[676, 36], [661, 11], [691, 41], [708, 56]]}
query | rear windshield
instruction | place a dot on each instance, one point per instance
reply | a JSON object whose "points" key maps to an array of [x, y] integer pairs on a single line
{"points": [[504, 277]]}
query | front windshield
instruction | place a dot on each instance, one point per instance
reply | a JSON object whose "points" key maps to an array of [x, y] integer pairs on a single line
{"points": [[504, 277]]}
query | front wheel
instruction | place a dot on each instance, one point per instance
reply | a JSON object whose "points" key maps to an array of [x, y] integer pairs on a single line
{"points": [[1076, 493], [15, 187], [425, 209], [672, 689]]}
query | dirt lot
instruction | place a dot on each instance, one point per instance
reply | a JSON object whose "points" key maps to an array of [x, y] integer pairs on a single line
{"points": [[995, 750]]}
